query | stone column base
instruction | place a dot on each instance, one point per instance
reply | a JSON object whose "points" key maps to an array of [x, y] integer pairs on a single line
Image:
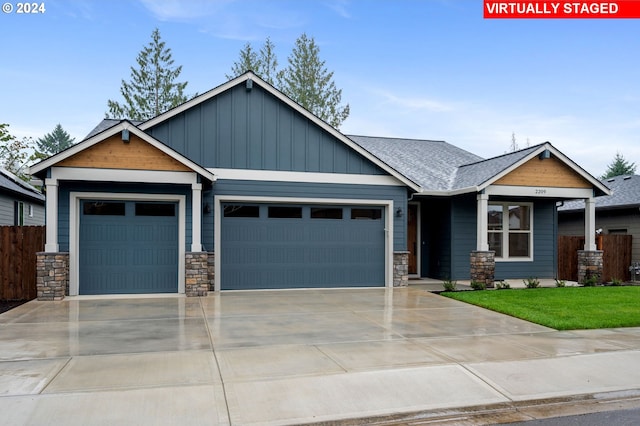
{"points": [[52, 275], [483, 267], [196, 274], [211, 270], [590, 264], [400, 268]]}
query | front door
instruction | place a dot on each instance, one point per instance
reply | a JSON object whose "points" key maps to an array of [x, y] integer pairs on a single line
{"points": [[412, 238]]}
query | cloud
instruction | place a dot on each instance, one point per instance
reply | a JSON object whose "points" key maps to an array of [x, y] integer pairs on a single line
{"points": [[412, 103], [181, 11], [339, 7]]}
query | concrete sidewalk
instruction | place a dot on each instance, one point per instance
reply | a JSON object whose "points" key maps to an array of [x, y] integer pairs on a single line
{"points": [[290, 357]]}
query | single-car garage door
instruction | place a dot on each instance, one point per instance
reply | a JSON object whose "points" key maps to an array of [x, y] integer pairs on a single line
{"points": [[128, 247], [301, 246]]}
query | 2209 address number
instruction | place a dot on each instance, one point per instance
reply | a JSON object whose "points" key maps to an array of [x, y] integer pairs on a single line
{"points": [[30, 8]]}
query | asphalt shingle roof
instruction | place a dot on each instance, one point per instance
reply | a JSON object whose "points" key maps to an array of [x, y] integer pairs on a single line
{"points": [[106, 124], [10, 182], [479, 172], [626, 193], [430, 164]]}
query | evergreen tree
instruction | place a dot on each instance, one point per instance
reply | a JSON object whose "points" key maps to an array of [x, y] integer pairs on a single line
{"points": [[307, 81], [52, 143], [14, 152], [153, 88], [619, 166], [264, 62]]}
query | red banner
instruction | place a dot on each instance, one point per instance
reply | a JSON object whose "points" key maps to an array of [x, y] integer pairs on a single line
{"points": [[561, 9]]}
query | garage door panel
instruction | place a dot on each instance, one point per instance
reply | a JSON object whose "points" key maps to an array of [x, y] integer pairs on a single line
{"points": [[321, 251], [127, 253]]}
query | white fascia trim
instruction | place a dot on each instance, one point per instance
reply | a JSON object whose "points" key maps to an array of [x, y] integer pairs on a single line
{"points": [[593, 181], [123, 175], [125, 125], [286, 176], [74, 230], [291, 103], [388, 225], [539, 192]]}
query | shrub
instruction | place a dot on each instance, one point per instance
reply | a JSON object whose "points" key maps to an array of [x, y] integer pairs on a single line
{"points": [[531, 282], [616, 282], [449, 285], [502, 285], [561, 283], [590, 281], [478, 285]]}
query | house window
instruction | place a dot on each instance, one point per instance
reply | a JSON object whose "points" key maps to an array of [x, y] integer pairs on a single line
{"points": [[366, 213], [326, 213], [155, 209], [241, 210], [510, 230], [18, 214], [30, 210]]}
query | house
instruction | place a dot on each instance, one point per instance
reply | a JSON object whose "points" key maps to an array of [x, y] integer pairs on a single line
{"points": [[241, 188], [20, 203], [618, 213]]}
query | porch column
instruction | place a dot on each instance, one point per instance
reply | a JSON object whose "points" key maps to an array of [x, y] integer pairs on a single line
{"points": [[589, 224], [196, 217], [482, 227], [51, 243]]}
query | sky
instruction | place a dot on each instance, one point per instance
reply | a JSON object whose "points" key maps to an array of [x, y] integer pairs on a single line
{"points": [[423, 69]]}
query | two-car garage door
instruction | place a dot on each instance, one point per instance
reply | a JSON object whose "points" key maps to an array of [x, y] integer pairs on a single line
{"points": [[266, 246]]}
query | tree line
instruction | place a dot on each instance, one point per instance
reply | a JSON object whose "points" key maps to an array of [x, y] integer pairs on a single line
{"points": [[153, 88]]}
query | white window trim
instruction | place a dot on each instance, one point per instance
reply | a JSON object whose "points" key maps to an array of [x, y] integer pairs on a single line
{"points": [[74, 229], [505, 231], [388, 224]]}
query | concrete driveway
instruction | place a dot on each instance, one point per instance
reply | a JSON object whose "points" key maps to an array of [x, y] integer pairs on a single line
{"points": [[291, 357]]}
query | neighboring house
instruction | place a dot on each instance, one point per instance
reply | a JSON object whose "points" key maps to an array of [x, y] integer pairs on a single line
{"points": [[20, 203], [618, 213], [244, 182]]}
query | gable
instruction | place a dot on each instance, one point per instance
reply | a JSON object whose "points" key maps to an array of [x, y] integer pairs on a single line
{"points": [[242, 128], [549, 172], [113, 153]]}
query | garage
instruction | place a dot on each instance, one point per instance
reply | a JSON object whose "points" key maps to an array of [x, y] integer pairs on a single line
{"points": [[128, 247], [270, 246]]}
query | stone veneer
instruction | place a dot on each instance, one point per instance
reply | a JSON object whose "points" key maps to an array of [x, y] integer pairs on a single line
{"points": [[196, 274], [211, 269], [52, 275], [400, 268], [483, 267], [590, 264]]}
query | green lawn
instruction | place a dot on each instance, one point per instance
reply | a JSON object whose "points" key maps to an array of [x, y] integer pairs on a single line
{"points": [[568, 308]]}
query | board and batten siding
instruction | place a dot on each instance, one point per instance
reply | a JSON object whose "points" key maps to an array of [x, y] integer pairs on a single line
{"points": [[297, 190], [463, 241], [103, 187], [240, 129]]}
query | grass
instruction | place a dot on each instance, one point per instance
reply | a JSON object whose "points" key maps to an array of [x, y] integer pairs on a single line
{"points": [[569, 308]]}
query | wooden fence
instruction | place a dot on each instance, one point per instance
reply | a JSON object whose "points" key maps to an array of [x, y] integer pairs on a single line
{"points": [[616, 256], [18, 248]]}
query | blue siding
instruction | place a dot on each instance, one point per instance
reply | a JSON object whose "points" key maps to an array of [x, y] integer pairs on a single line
{"points": [[254, 130], [545, 238], [463, 240], [316, 190], [463, 236], [65, 188]]}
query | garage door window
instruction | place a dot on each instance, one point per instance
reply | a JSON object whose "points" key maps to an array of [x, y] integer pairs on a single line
{"points": [[233, 210], [367, 214], [326, 213], [155, 209], [102, 208], [282, 212]]}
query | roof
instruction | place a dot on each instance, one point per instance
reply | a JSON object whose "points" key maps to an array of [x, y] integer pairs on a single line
{"points": [[626, 194], [110, 131], [12, 183], [107, 123], [407, 156], [477, 173]]}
